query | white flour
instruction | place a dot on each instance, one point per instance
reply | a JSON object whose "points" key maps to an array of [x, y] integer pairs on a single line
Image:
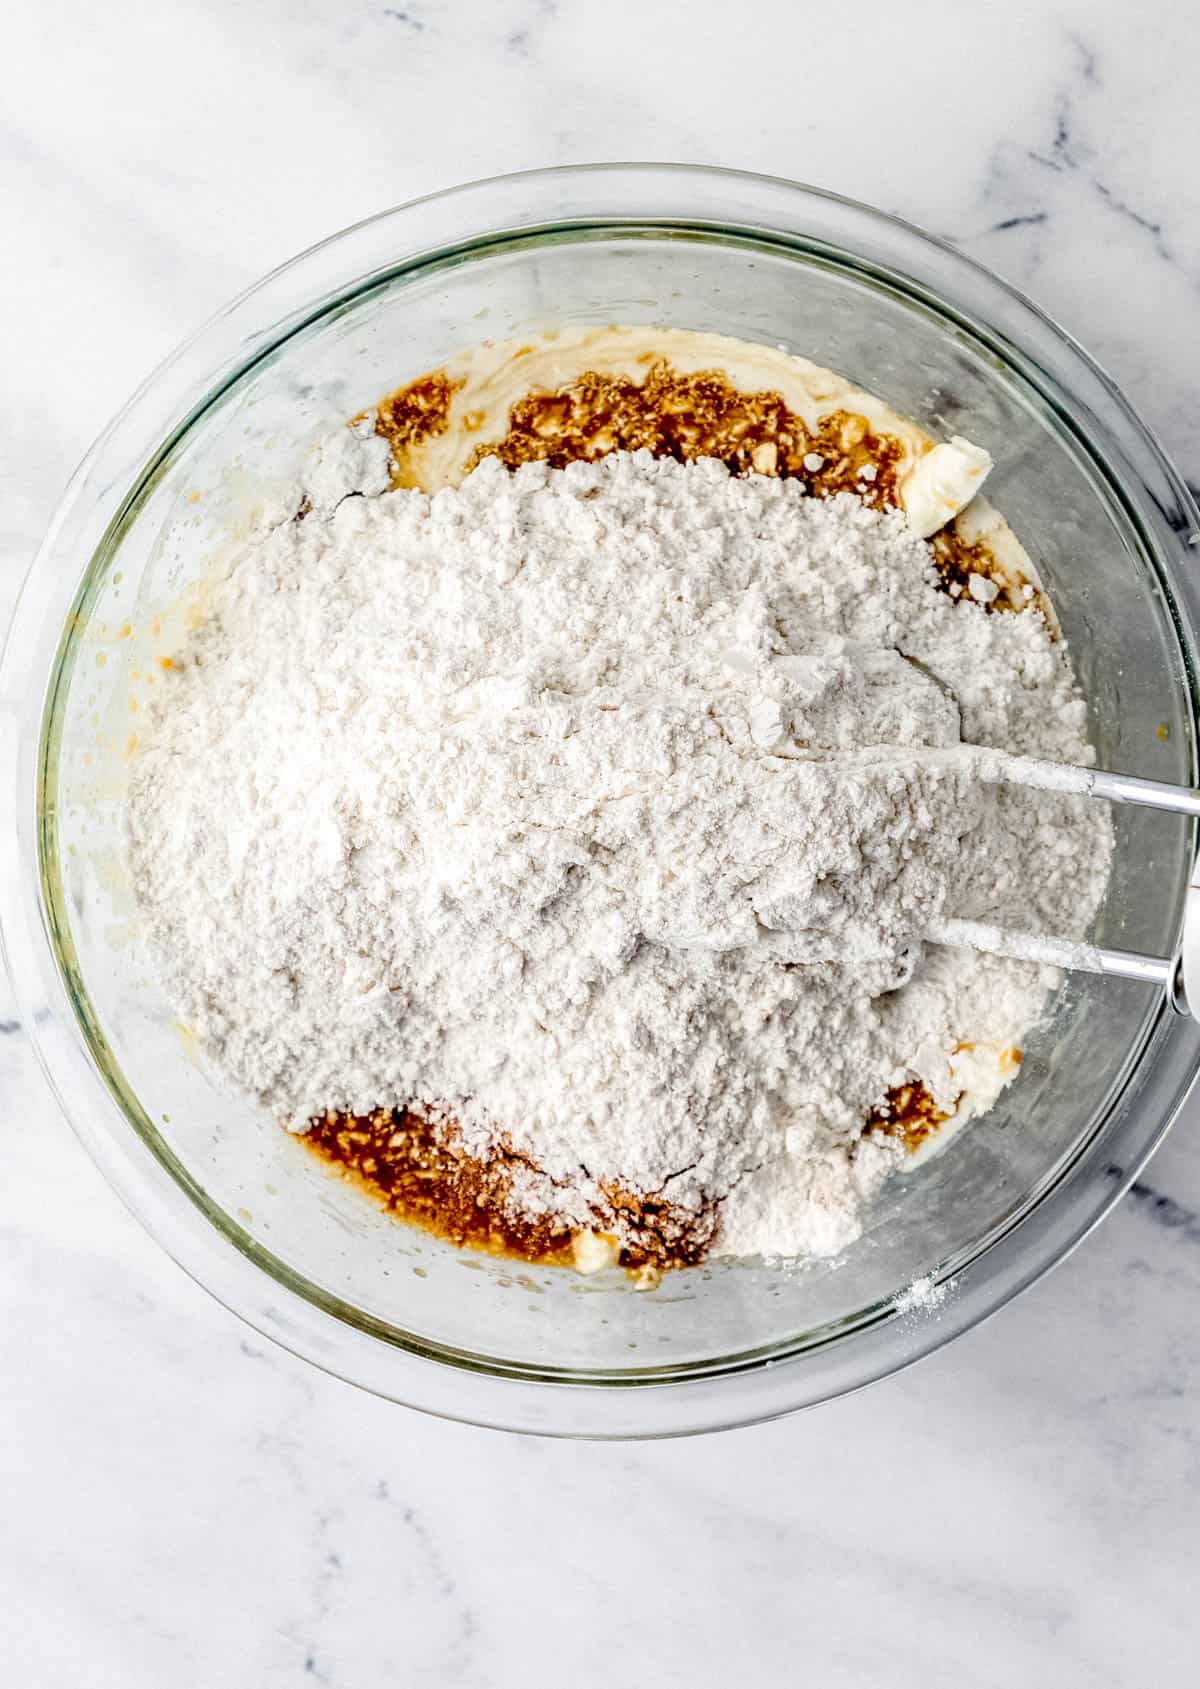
{"points": [[516, 803]]}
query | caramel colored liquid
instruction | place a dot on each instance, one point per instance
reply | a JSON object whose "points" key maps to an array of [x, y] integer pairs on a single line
{"points": [[907, 1113], [694, 416], [420, 1171]]}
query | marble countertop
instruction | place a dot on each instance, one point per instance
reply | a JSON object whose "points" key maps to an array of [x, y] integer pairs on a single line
{"points": [[182, 1503]]}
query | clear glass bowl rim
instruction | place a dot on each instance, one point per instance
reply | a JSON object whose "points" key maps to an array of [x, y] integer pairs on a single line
{"points": [[553, 203]]}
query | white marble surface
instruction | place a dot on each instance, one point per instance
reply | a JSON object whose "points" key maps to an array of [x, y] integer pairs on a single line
{"points": [[180, 1504]]}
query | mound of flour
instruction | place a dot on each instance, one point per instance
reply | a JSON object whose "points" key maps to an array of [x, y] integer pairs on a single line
{"points": [[574, 806]]}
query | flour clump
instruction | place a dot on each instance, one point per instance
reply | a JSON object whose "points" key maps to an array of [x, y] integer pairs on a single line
{"points": [[578, 811]]}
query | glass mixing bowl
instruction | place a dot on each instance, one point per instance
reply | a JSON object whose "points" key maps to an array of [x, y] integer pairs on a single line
{"points": [[308, 1260]]}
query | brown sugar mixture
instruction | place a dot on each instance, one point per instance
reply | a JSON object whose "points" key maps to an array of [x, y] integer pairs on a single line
{"points": [[909, 1114], [957, 560], [689, 416], [693, 416], [419, 1171], [415, 413]]}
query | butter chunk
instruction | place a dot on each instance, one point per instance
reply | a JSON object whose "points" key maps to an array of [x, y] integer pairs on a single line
{"points": [[941, 483], [593, 1251]]}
